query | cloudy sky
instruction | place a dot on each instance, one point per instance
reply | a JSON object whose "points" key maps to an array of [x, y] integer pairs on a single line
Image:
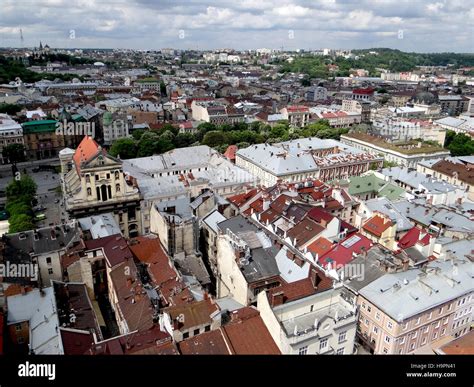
{"points": [[410, 25]]}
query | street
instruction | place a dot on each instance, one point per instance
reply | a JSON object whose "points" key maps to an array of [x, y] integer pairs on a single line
{"points": [[47, 194]]}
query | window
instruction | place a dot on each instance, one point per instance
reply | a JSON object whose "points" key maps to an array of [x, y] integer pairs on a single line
{"points": [[185, 335], [385, 350], [440, 310], [50, 271], [48, 260], [415, 334], [375, 329], [369, 309], [117, 187], [450, 306], [96, 177], [342, 337], [426, 329], [367, 322], [207, 328], [88, 178], [417, 321], [89, 191], [363, 305], [412, 346], [108, 175], [435, 335], [445, 320], [311, 308], [18, 327], [303, 350], [437, 324], [443, 331], [423, 342], [323, 344], [405, 326], [340, 351], [387, 339], [21, 340], [377, 316], [430, 315], [402, 340], [389, 325], [196, 332]]}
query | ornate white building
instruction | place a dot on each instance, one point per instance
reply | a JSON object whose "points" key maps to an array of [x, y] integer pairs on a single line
{"points": [[94, 183]]}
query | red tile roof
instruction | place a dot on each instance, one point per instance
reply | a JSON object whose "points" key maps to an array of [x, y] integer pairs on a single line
{"points": [[342, 252], [207, 343], [115, 248], [87, 149], [414, 236], [242, 198], [248, 335], [320, 246], [304, 231], [77, 342], [318, 214], [293, 291], [148, 250], [377, 225], [230, 152], [196, 313]]}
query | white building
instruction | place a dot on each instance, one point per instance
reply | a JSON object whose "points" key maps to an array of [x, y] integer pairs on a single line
{"points": [[11, 133], [321, 323], [404, 154], [306, 158]]}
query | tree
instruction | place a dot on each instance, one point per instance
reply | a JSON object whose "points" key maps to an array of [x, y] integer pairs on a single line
{"points": [[23, 188], [461, 145], [9, 108], [183, 140], [137, 134], [20, 222], [126, 148], [214, 138], [15, 153], [162, 88], [148, 144]]}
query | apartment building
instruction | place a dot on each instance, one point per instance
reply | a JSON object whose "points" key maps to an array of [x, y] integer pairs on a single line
{"points": [[412, 310]]}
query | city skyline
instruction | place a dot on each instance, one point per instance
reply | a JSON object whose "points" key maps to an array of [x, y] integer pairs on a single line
{"points": [[151, 25]]}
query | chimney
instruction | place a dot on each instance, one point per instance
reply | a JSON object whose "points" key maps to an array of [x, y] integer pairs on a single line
{"points": [[314, 277], [277, 298]]}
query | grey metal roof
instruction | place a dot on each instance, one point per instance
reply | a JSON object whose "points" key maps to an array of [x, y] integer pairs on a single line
{"points": [[262, 263], [100, 226], [406, 294], [39, 309], [212, 219], [385, 206], [41, 241], [297, 154], [435, 214]]}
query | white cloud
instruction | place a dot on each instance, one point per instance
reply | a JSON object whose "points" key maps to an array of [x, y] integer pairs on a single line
{"points": [[244, 24]]}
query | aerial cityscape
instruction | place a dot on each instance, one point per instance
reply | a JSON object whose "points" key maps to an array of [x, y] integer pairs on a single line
{"points": [[260, 186]]}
